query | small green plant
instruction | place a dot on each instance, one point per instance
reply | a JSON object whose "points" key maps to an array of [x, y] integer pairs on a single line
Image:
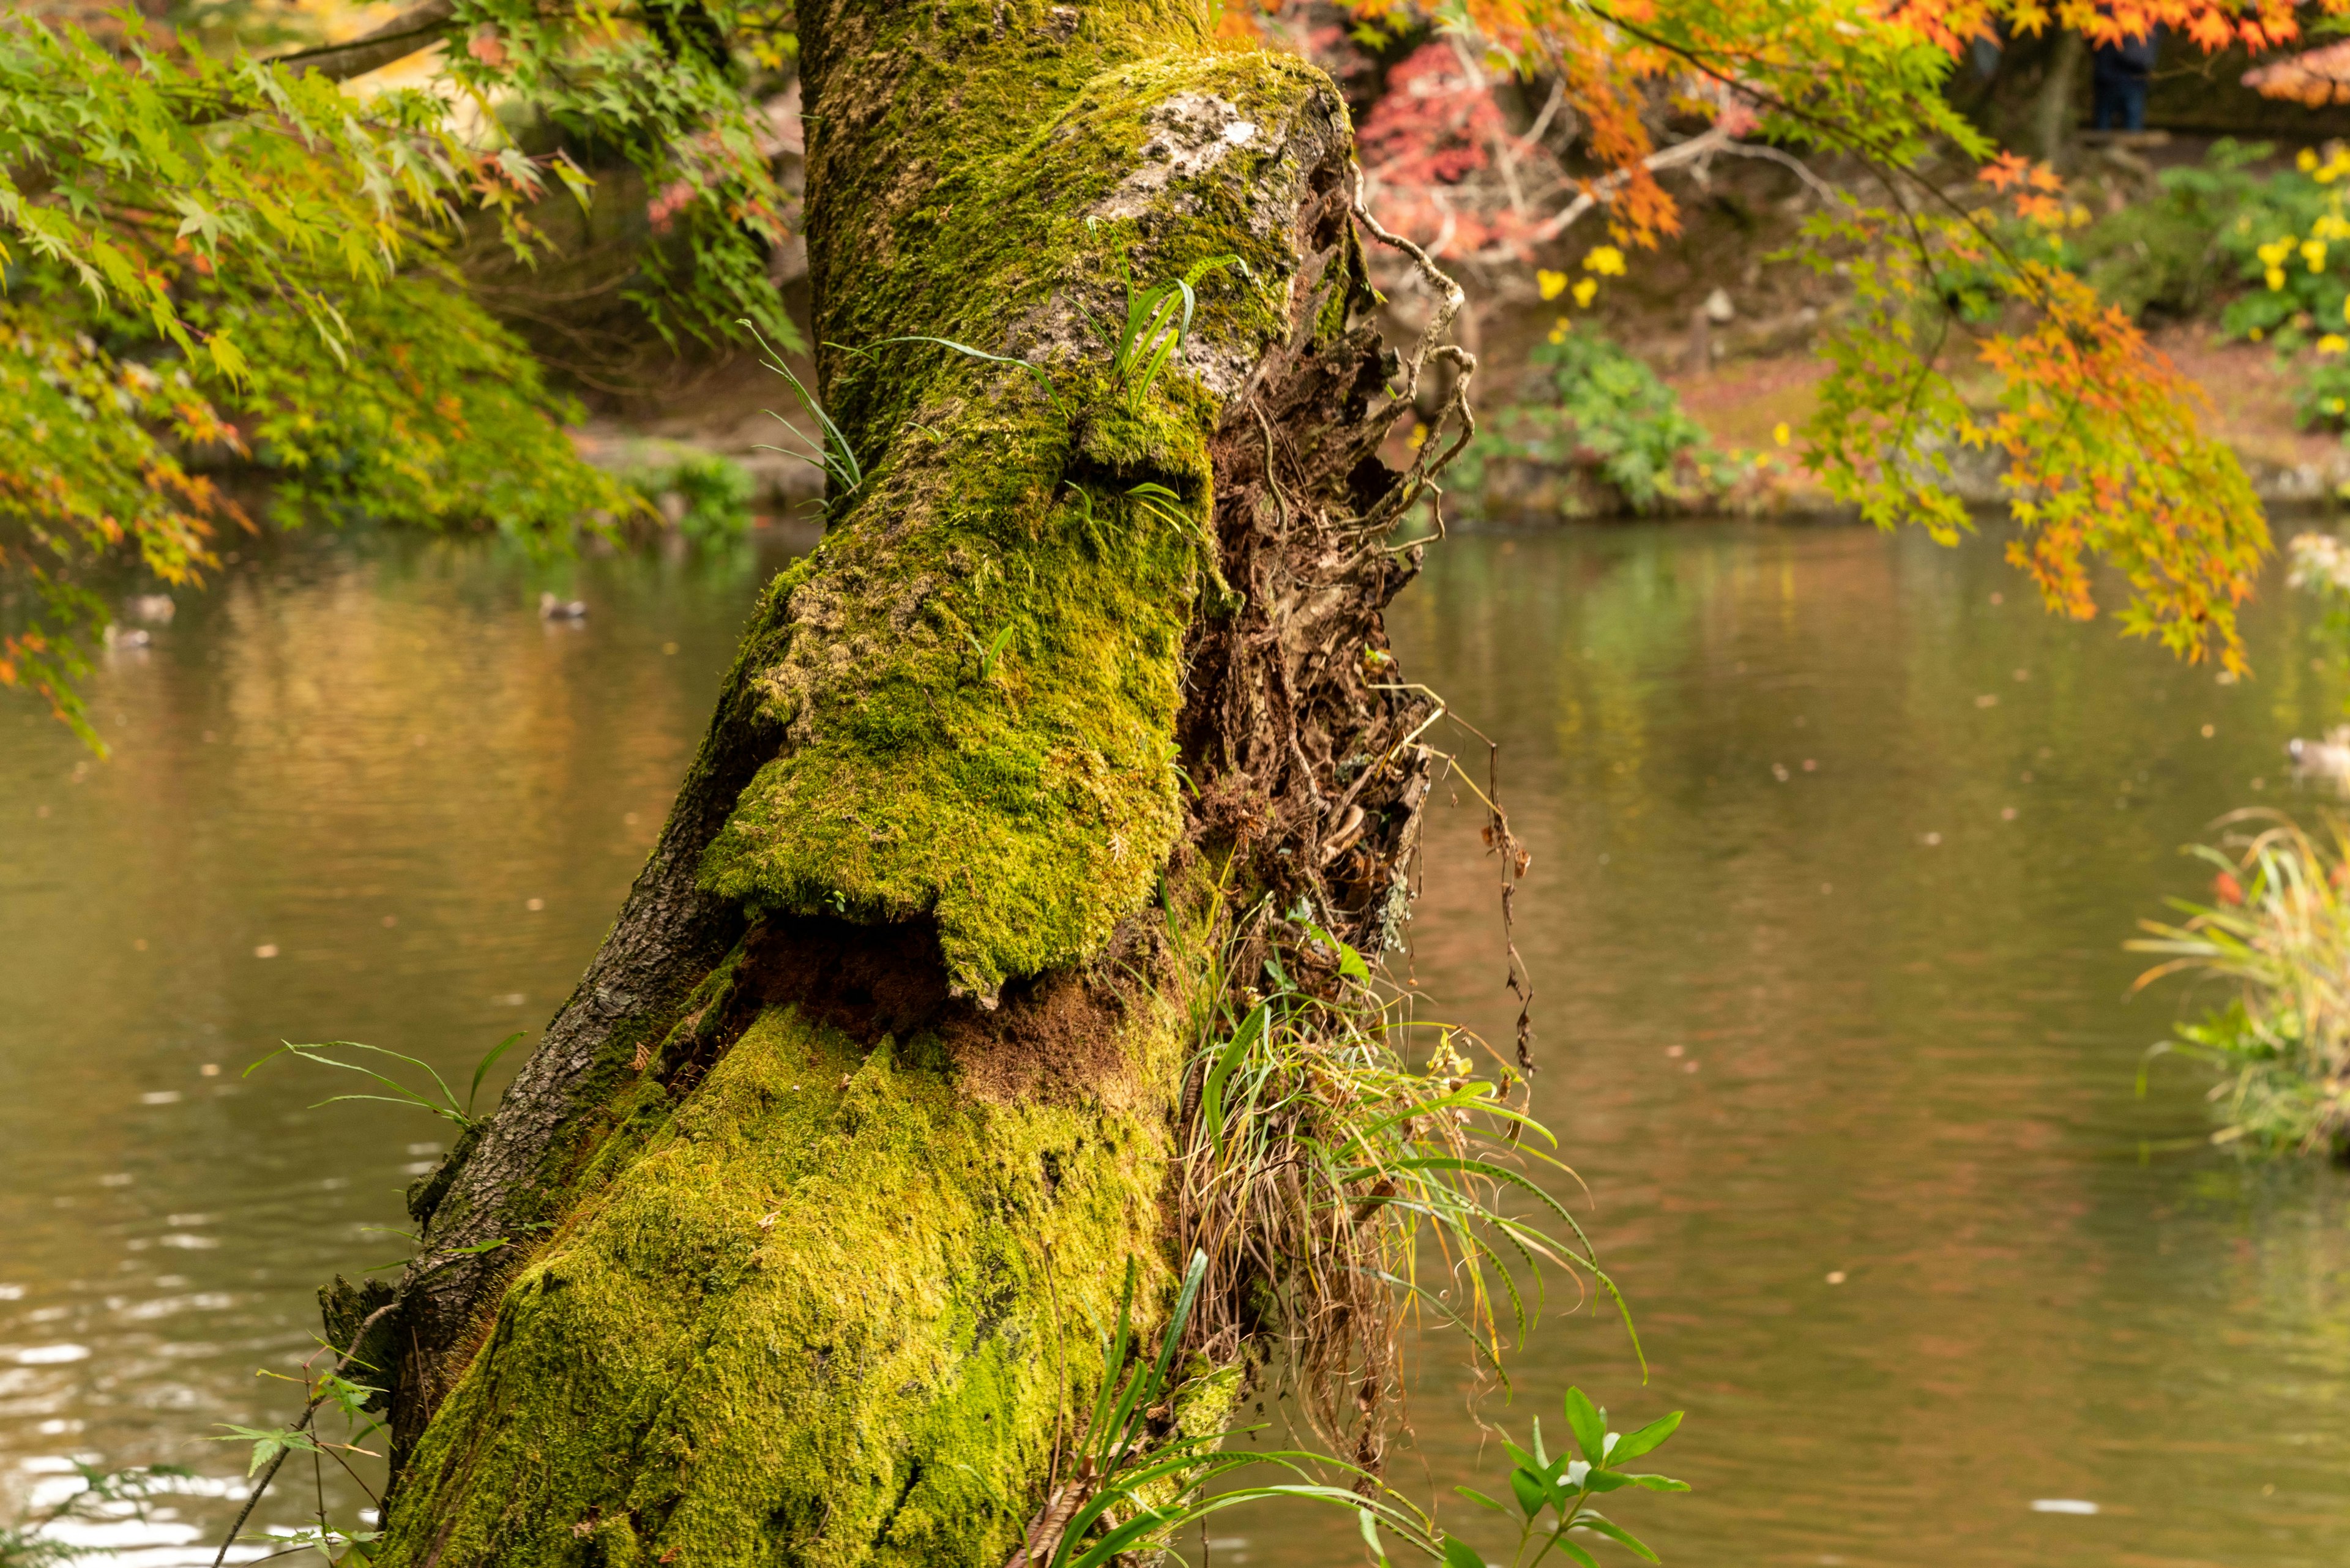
{"points": [[327, 1389], [1597, 409], [834, 457], [1157, 322], [1553, 1495], [988, 652], [444, 1106], [103, 1495], [1327, 1178], [2277, 934]]}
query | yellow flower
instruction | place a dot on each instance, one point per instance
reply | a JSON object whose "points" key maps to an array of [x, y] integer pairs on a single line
{"points": [[2313, 253], [2332, 343], [1552, 284], [1418, 437], [2078, 216], [1586, 291], [2307, 161], [1606, 260], [1780, 433], [1558, 333], [2276, 277], [2256, 335], [2273, 253]]}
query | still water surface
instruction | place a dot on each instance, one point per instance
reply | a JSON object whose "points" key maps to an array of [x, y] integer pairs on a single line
{"points": [[1835, 839]]}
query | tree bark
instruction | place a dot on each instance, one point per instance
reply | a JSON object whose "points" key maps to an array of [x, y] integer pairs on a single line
{"points": [[2056, 107], [797, 1239]]}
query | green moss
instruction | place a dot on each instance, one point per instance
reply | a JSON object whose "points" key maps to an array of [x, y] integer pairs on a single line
{"points": [[1026, 805], [809, 1324]]}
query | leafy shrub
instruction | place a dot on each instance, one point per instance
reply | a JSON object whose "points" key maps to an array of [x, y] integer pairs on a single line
{"points": [[2167, 256], [2281, 238], [2273, 240], [715, 492], [1595, 408], [435, 417], [2278, 932]]}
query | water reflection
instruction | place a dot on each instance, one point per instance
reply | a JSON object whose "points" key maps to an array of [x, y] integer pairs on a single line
{"points": [[1837, 838], [1835, 841], [361, 791]]}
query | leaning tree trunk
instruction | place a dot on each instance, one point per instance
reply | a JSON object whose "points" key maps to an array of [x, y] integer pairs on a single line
{"points": [[816, 1199]]}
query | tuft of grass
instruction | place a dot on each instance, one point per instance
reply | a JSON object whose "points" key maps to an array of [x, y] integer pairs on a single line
{"points": [[1157, 322], [834, 457], [441, 1100], [2277, 934], [1322, 1171]]}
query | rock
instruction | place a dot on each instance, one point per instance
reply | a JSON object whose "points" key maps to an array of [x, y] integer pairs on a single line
{"points": [[1717, 306]]}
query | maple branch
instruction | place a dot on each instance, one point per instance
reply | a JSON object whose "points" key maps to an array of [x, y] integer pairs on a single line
{"points": [[1820, 188], [1704, 144], [1542, 122]]}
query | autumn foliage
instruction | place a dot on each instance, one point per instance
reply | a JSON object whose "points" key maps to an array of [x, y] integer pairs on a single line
{"points": [[2103, 439]]}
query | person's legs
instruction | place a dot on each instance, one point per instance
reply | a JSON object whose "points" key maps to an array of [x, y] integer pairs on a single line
{"points": [[2108, 106], [2132, 96]]}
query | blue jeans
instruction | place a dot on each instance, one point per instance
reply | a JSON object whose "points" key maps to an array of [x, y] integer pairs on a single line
{"points": [[2121, 103]]}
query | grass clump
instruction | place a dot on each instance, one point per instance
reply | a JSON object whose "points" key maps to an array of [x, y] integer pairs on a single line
{"points": [[2277, 934], [1592, 410], [1321, 1172]]}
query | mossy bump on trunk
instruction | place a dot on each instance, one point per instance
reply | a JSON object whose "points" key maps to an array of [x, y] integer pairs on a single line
{"points": [[982, 726], [816, 1202], [802, 1327]]}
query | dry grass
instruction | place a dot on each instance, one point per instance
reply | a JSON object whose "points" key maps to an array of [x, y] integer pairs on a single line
{"points": [[1337, 1190]]}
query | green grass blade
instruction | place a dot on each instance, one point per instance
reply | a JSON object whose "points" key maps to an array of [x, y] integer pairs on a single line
{"points": [[482, 1069]]}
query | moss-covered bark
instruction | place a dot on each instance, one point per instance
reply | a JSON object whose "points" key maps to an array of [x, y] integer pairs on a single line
{"points": [[802, 1327], [815, 1200]]}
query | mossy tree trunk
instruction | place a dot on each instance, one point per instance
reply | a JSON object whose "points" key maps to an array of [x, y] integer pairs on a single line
{"points": [[815, 1198]]}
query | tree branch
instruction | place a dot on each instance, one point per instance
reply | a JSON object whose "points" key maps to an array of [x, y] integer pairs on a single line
{"points": [[412, 31]]}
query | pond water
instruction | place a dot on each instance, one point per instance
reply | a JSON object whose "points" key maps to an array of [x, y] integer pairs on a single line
{"points": [[1836, 838]]}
